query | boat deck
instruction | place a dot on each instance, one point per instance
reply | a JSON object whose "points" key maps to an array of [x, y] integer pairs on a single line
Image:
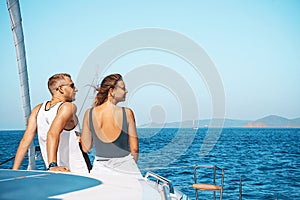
{"points": [[23, 184]]}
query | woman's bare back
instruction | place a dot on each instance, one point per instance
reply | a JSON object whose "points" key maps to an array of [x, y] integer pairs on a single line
{"points": [[107, 122]]}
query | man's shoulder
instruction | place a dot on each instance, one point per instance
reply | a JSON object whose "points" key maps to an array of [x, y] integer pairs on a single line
{"points": [[68, 106], [37, 107]]}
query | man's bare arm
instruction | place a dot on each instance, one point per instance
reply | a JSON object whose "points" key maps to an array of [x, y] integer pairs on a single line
{"points": [[66, 113], [28, 137]]}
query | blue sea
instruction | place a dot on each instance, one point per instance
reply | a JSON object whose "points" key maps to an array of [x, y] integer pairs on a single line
{"points": [[266, 160]]}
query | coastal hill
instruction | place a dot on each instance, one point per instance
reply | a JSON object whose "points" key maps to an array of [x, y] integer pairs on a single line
{"points": [[272, 121], [275, 121]]}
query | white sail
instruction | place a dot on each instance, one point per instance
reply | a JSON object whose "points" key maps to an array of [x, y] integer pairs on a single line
{"points": [[16, 24]]}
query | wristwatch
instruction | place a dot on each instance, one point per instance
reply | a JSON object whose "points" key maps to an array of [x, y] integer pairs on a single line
{"points": [[52, 164]]}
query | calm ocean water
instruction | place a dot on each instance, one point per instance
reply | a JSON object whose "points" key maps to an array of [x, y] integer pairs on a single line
{"points": [[267, 160]]}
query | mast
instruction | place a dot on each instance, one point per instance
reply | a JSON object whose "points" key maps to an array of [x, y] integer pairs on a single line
{"points": [[16, 25]]}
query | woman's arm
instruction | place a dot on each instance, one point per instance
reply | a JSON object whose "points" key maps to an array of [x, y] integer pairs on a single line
{"points": [[133, 137], [86, 136]]}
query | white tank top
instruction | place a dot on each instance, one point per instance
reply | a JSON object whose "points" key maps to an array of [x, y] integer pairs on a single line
{"points": [[69, 153]]}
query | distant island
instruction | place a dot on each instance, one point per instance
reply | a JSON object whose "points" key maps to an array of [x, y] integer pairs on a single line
{"points": [[271, 121]]}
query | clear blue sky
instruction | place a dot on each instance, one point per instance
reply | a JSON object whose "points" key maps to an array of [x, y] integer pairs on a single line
{"points": [[255, 46]]}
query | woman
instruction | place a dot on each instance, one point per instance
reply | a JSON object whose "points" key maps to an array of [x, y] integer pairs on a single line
{"points": [[111, 129]]}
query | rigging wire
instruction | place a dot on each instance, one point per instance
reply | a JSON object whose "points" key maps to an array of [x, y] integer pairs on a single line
{"points": [[90, 86], [7, 160]]}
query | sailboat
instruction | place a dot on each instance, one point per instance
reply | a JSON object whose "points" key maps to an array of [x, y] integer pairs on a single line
{"points": [[39, 184], [195, 126]]}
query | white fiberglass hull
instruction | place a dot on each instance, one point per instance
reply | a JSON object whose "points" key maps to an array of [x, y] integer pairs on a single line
{"points": [[23, 184]]}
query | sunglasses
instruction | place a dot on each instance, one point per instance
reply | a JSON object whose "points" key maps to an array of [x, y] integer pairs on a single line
{"points": [[72, 85]]}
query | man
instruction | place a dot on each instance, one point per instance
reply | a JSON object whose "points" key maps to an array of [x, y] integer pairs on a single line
{"points": [[57, 126]]}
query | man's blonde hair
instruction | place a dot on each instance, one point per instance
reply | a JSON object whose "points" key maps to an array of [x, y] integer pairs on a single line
{"points": [[55, 79]]}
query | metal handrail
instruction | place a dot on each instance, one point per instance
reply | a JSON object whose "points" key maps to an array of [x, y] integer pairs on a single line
{"points": [[215, 173], [215, 168], [166, 192], [160, 179]]}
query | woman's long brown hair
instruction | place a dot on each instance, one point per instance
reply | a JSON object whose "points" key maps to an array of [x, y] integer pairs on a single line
{"points": [[108, 82]]}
